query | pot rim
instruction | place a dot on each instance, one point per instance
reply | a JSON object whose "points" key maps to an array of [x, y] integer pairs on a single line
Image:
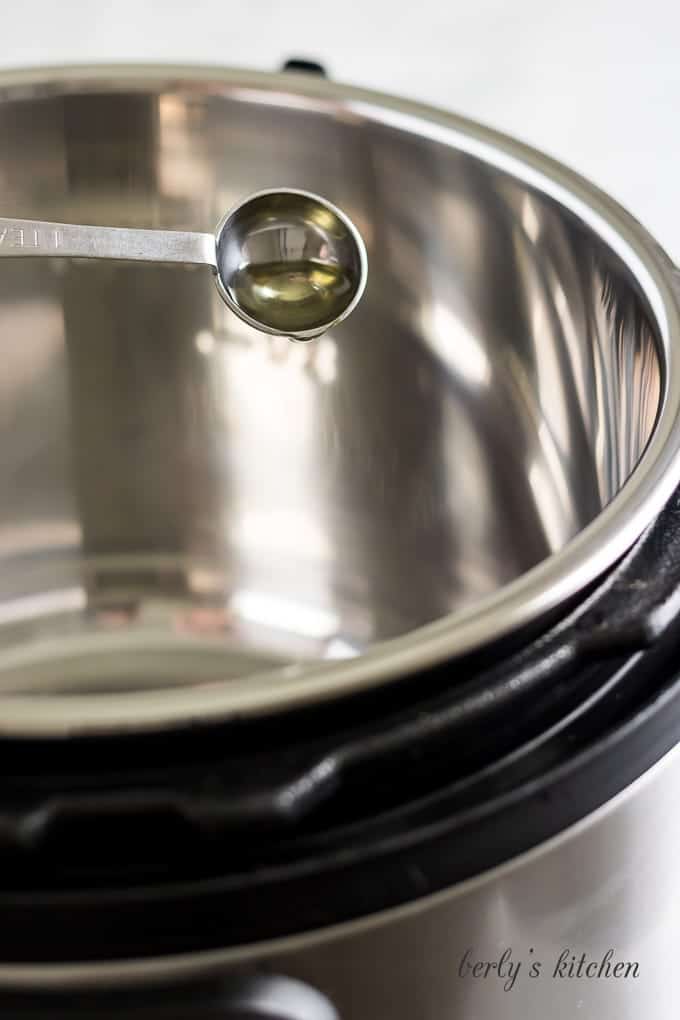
{"points": [[516, 605]]}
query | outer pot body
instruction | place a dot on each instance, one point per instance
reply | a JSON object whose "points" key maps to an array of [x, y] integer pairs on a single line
{"points": [[608, 883]]}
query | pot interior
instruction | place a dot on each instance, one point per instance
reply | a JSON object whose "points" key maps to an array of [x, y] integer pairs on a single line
{"points": [[172, 480]]}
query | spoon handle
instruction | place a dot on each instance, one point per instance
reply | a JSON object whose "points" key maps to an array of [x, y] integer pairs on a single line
{"points": [[34, 237]]}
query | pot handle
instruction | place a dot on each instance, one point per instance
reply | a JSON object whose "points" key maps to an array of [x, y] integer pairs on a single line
{"points": [[246, 997]]}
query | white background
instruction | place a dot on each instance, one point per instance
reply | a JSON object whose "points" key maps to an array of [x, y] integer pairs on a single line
{"points": [[594, 82]]}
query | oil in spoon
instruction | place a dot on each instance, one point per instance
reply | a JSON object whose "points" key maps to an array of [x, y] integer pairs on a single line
{"points": [[298, 295]]}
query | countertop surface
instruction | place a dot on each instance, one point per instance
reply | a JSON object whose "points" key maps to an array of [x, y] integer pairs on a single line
{"points": [[595, 83]]}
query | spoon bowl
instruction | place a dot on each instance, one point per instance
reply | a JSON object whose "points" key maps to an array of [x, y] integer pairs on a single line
{"points": [[290, 263]]}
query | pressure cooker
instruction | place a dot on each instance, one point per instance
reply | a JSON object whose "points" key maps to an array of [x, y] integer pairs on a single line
{"points": [[338, 680]]}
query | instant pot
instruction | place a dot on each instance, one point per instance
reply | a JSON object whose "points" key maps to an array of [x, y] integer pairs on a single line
{"points": [[338, 681]]}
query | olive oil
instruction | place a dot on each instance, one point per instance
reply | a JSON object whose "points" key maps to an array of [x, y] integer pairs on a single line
{"points": [[292, 296]]}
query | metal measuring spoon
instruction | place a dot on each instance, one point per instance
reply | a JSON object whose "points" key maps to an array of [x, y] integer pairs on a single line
{"points": [[285, 261]]}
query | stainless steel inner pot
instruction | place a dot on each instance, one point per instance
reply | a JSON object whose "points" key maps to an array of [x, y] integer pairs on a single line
{"points": [[196, 519]]}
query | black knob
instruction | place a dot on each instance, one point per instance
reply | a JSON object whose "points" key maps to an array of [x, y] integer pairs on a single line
{"points": [[298, 64]]}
